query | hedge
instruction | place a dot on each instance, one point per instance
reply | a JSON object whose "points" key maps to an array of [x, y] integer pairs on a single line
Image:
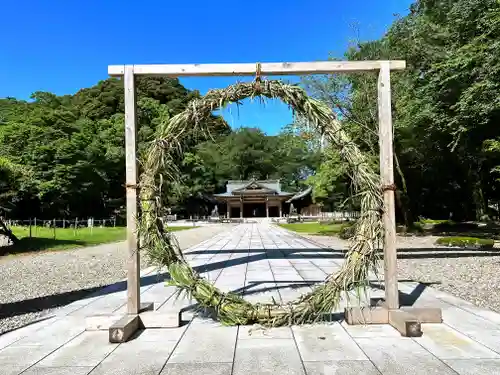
{"points": [[346, 232], [477, 243]]}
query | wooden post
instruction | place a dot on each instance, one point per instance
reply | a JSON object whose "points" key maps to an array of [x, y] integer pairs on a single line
{"points": [[133, 269], [54, 225], [387, 179], [30, 227]]}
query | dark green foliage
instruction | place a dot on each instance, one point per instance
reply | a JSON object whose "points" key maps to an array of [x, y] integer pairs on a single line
{"points": [[243, 154], [446, 108], [347, 231], [74, 145], [435, 222], [11, 176], [414, 228], [446, 111], [468, 242], [448, 226]]}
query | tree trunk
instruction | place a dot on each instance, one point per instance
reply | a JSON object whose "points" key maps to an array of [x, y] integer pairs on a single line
{"points": [[402, 198], [4, 231], [479, 202], [477, 191]]}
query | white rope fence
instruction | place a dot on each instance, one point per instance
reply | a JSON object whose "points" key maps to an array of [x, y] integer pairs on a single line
{"points": [[35, 225], [63, 223]]}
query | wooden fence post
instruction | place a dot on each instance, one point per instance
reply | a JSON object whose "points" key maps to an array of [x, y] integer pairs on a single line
{"points": [[387, 179], [133, 268]]}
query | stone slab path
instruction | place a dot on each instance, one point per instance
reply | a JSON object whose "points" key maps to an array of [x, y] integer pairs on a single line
{"points": [[264, 263]]}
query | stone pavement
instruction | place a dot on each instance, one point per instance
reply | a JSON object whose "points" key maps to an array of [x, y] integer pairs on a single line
{"points": [[264, 263]]}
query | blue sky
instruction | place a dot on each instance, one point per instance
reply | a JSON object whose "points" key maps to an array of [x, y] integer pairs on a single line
{"points": [[63, 46]]}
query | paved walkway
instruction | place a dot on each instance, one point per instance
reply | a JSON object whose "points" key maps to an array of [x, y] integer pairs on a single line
{"points": [[262, 262]]}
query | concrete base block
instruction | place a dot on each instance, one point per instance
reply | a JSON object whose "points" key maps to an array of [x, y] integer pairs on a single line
{"points": [[406, 320], [124, 328]]}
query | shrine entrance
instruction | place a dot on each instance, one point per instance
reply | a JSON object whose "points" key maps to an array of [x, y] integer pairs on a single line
{"points": [[254, 210]]}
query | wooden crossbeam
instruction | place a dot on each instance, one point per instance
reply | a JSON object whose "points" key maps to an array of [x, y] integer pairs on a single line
{"points": [[249, 69]]}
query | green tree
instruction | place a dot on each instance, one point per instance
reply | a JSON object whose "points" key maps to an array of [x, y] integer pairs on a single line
{"points": [[74, 144], [445, 105], [13, 180]]}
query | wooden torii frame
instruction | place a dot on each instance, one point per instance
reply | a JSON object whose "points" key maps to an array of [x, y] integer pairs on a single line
{"points": [[405, 320]]}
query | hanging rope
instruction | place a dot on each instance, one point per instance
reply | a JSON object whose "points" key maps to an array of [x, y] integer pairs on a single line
{"points": [[389, 187]]}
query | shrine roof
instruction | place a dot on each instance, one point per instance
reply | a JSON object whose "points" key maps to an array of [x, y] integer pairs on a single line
{"points": [[235, 188]]}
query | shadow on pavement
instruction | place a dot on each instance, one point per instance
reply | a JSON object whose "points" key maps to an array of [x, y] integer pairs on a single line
{"points": [[57, 300], [35, 244]]}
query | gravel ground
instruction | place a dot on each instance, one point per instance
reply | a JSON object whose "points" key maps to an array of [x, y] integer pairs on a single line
{"points": [[473, 275], [33, 284]]}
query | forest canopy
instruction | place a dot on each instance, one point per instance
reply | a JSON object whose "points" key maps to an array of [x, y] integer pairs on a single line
{"points": [[446, 114], [74, 147], [446, 107]]}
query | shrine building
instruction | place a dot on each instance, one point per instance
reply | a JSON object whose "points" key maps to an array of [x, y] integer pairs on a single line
{"points": [[259, 198]]}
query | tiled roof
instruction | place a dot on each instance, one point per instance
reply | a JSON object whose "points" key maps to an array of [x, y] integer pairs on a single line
{"points": [[238, 184], [235, 194], [235, 187]]}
